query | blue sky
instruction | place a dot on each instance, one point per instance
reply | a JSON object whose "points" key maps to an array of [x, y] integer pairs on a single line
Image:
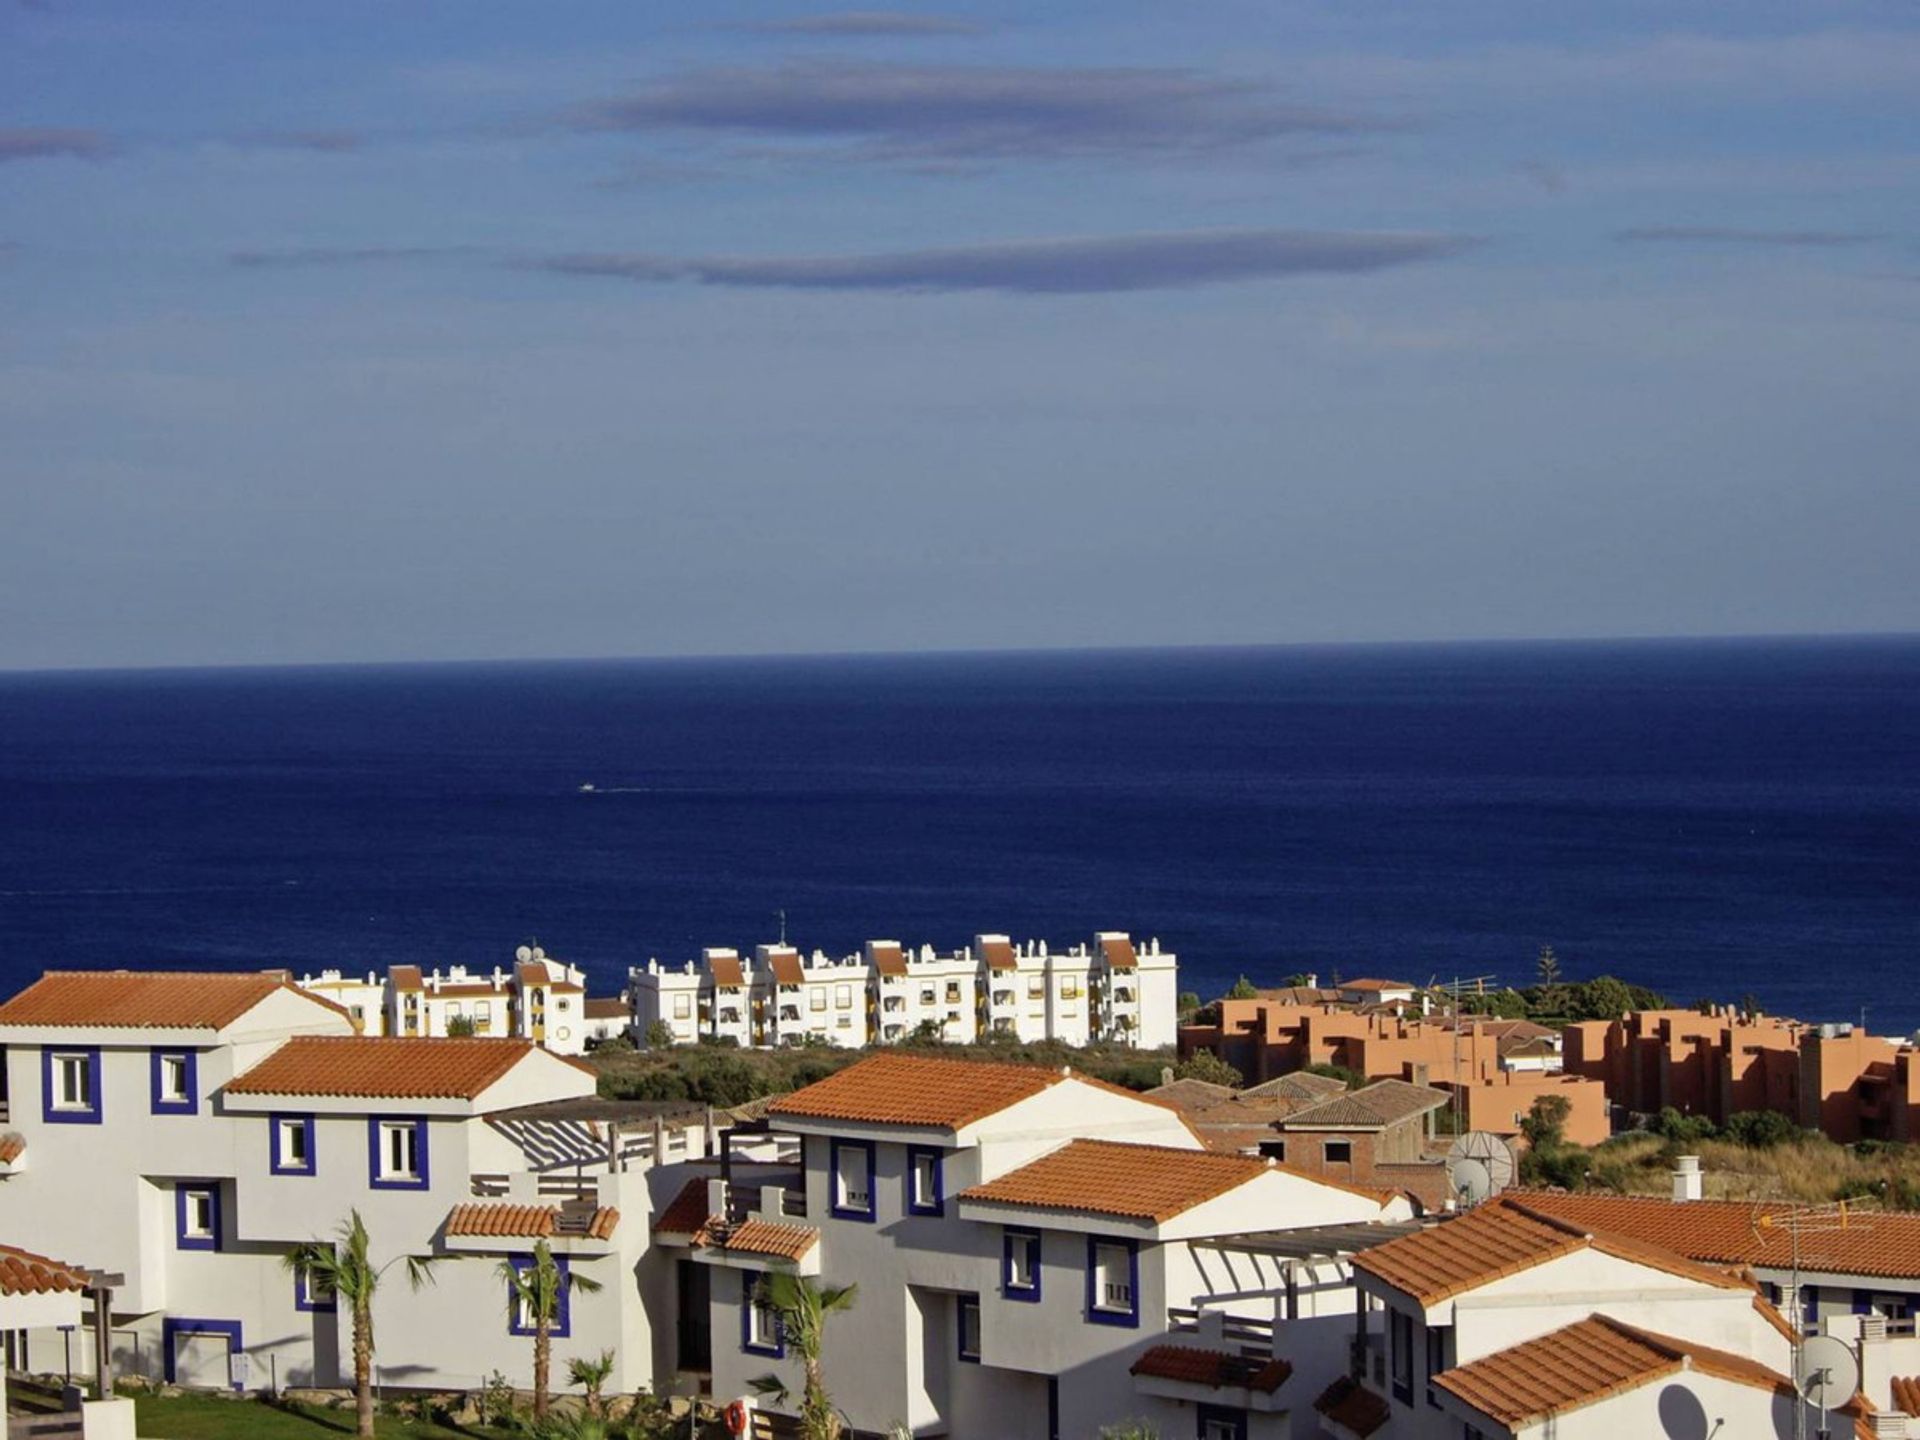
{"points": [[415, 330]]}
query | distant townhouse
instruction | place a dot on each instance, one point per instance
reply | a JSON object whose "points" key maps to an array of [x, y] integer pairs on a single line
{"points": [[1038, 1254], [1110, 990], [539, 999], [185, 1132]]}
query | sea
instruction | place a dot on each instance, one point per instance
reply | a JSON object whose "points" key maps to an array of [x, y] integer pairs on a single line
{"points": [[1716, 819]]}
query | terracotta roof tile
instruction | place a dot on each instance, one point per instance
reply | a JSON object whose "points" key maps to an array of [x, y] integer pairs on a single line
{"points": [[406, 977], [888, 958], [1906, 1393], [1118, 950], [1301, 1086], [1191, 1096], [919, 1090], [462, 990], [1504, 1238], [1104, 1177], [531, 1222], [149, 999], [1350, 1405], [1215, 1368], [382, 1067], [1385, 1102], [1880, 1243], [607, 1008], [760, 1237], [24, 1273], [1374, 986], [532, 972], [12, 1146], [998, 954], [686, 1212], [725, 967], [786, 967], [1586, 1362]]}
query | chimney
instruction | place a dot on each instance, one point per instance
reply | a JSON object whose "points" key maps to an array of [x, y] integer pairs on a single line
{"points": [[1890, 1424], [1686, 1179]]}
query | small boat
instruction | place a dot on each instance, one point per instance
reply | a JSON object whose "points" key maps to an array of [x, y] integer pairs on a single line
{"points": [[587, 789]]}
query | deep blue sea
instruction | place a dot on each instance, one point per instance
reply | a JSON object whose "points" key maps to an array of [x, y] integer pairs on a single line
{"points": [[1710, 818]]}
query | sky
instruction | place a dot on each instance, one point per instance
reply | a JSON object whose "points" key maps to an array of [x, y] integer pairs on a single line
{"points": [[387, 331]]}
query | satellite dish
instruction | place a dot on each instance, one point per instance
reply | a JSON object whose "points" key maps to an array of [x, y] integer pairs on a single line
{"points": [[1826, 1374], [1480, 1165], [523, 954]]}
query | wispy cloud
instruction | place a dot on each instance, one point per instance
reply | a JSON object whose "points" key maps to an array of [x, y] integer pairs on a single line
{"points": [[1073, 266], [858, 23], [1724, 235], [360, 255], [973, 112], [41, 143], [327, 142]]}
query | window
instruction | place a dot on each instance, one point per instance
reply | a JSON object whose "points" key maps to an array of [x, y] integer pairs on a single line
{"points": [[482, 1016], [852, 1179], [842, 997], [760, 1332], [454, 1008], [70, 1083], [1436, 1360], [1400, 1334], [1069, 989], [1036, 987], [173, 1082], [1113, 1281], [924, 1193], [1219, 1423], [926, 995], [953, 992], [843, 1022], [291, 1148], [520, 1318], [1274, 1150], [196, 1211], [1020, 1265], [683, 1007], [817, 999], [313, 1297], [966, 1326], [398, 1154], [1339, 1152]]}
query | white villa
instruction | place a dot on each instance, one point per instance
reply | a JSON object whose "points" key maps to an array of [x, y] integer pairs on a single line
{"points": [[1110, 990], [539, 999]]}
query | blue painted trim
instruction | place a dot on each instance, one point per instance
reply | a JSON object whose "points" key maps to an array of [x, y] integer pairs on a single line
{"points": [[1127, 1319], [965, 1303], [171, 1329], [834, 1207], [52, 1114], [419, 1182], [749, 1282], [303, 1300], [938, 1205], [156, 1063], [277, 1163], [1009, 1236], [183, 1189], [562, 1326]]}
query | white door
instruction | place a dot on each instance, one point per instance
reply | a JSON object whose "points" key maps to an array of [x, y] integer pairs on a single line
{"points": [[200, 1361]]}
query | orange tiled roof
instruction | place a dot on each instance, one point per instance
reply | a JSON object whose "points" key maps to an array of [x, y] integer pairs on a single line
{"points": [[892, 1089], [532, 972], [1906, 1393], [686, 1212], [998, 954], [24, 1273], [786, 967], [606, 1008], [1505, 1238], [1105, 1177], [1119, 952], [12, 1146], [1215, 1368], [1882, 1243], [761, 1237], [1586, 1362], [531, 1222], [143, 999], [1372, 986], [382, 1067], [406, 977], [1350, 1405], [727, 970], [888, 960], [1191, 1096]]}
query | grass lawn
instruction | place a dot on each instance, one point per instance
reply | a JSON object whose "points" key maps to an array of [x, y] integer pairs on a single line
{"points": [[204, 1417]]}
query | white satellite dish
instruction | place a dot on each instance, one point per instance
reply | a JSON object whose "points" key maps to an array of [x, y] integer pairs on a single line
{"points": [[1480, 1165], [523, 954], [1826, 1374]]}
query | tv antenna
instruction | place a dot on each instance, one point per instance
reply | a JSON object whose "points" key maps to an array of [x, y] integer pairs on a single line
{"points": [[1819, 1377], [783, 925]]}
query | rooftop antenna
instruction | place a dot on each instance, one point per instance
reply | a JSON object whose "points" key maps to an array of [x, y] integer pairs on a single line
{"points": [[783, 925], [1816, 1375]]}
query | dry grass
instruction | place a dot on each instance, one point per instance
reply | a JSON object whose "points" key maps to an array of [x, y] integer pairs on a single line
{"points": [[1809, 1170]]}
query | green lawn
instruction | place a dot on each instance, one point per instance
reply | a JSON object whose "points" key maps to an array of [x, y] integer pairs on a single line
{"points": [[204, 1417]]}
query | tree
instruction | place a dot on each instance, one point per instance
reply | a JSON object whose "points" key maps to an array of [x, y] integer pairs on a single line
{"points": [[535, 1290], [1187, 1005], [1549, 1159], [1548, 968], [346, 1268], [460, 1027], [659, 1035], [1602, 998], [1243, 989], [1760, 1129], [1545, 1125], [804, 1308], [1207, 1066], [591, 1376]]}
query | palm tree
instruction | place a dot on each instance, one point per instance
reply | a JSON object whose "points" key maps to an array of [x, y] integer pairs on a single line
{"points": [[590, 1376], [347, 1270], [803, 1308], [535, 1291]]}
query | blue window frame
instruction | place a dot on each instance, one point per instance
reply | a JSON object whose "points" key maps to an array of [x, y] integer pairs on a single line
{"points": [[172, 1329], [1113, 1281], [966, 1327], [521, 1323], [307, 1300], [1020, 1264], [397, 1153], [196, 1215], [760, 1330], [174, 1081], [926, 1186], [290, 1145], [70, 1084], [850, 1187]]}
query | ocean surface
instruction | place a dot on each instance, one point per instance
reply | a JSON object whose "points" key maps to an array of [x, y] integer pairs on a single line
{"points": [[1710, 818]]}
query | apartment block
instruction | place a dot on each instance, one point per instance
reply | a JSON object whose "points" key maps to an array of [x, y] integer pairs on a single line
{"points": [[1109, 990], [539, 999]]}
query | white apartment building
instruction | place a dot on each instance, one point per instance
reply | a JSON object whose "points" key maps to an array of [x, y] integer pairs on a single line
{"points": [[1110, 990], [187, 1131], [1038, 1254], [539, 999]]}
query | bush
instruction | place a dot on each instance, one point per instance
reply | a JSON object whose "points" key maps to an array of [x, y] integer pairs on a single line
{"points": [[1677, 1129], [1207, 1066], [659, 1035], [1761, 1129], [1243, 989], [1187, 1005], [1352, 1079]]}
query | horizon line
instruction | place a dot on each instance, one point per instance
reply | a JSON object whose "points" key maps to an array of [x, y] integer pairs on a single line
{"points": [[962, 652]]}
